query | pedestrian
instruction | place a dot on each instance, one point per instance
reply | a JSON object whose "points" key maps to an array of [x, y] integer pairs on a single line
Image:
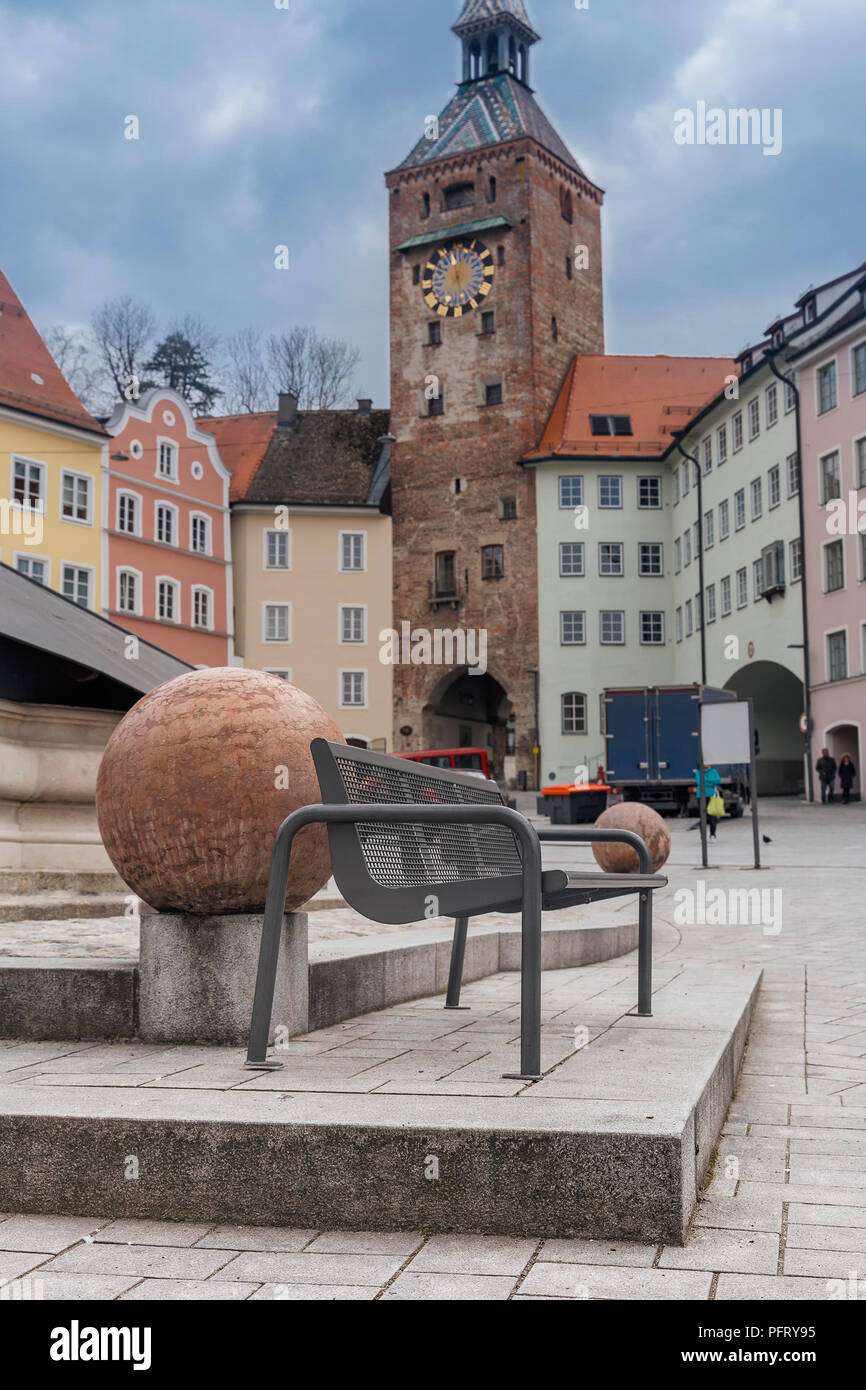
{"points": [[826, 770], [847, 774], [715, 801]]}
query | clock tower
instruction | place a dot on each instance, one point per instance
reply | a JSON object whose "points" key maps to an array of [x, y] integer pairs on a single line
{"points": [[495, 284]]}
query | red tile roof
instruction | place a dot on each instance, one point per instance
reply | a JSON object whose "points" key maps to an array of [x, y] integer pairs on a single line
{"points": [[30, 379], [242, 441], [660, 394]]}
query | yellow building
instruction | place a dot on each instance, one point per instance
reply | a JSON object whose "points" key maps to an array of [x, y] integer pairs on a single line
{"points": [[53, 462], [311, 546]]}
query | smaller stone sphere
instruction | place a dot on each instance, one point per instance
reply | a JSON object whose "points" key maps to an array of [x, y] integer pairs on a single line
{"points": [[643, 821]]}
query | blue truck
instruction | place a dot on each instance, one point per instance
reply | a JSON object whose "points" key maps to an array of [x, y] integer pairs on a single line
{"points": [[651, 742]]}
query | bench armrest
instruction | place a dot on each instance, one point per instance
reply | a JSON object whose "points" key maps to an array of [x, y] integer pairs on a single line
{"points": [[593, 833]]}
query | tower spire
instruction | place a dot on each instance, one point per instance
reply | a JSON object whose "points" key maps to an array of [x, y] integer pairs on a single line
{"points": [[496, 37]]}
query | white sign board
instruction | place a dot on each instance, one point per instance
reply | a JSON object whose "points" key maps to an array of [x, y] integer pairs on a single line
{"points": [[725, 732]]}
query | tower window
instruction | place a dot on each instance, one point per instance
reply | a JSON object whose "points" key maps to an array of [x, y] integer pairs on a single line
{"points": [[436, 405], [416, 275], [565, 205], [492, 55], [446, 574], [475, 60], [425, 205], [554, 330], [491, 190], [521, 63], [568, 269], [508, 508], [488, 322], [512, 56], [500, 255], [493, 393], [492, 562], [459, 195], [434, 332]]}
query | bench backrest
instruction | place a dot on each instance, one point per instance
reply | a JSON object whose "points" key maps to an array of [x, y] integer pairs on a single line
{"points": [[390, 872]]}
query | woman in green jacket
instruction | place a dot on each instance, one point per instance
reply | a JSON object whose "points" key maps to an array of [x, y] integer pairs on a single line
{"points": [[712, 781]]}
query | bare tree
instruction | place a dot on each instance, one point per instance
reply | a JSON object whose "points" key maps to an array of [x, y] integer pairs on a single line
{"points": [[317, 370], [246, 386], [122, 330], [73, 354]]}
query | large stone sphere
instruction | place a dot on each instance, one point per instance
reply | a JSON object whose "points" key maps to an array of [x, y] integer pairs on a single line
{"points": [[644, 821], [194, 782]]}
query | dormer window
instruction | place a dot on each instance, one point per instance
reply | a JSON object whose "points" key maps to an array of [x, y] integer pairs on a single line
{"points": [[610, 424], [459, 195], [810, 310]]}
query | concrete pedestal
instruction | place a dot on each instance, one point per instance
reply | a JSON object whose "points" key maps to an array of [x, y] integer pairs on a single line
{"points": [[198, 974]]}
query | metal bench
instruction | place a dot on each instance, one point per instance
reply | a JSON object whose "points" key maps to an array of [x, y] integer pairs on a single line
{"points": [[410, 841]]}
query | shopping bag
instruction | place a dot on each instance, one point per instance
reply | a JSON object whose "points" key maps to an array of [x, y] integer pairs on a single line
{"points": [[715, 806]]}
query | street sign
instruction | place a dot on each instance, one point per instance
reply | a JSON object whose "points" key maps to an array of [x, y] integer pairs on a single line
{"points": [[804, 724]]}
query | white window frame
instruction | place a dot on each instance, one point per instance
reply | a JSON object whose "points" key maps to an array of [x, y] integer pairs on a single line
{"points": [[573, 574], [172, 477], [159, 503], [611, 612], [855, 348], [136, 611], [569, 612], [792, 474], [276, 531], [353, 671], [201, 589], [569, 478], [771, 412], [795, 570], [362, 569], [610, 506], [43, 479], [651, 506], [754, 417], [649, 573], [29, 555], [87, 479], [678, 619], [283, 672], [127, 494], [208, 533], [836, 632], [722, 447], [584, 729], [725, 604], [616, 547], [91, 583], [834, 453], [177, 621], [825, 572], [737, 429], [724, 519], [741, 590], [344, 641], [774, 472], [651, 613], [825, 366], [277, 641]]}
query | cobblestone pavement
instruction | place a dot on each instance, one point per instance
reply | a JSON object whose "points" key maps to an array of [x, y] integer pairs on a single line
{"points": [[783, 1215]]}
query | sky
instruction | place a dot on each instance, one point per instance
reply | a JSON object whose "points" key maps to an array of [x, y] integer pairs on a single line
{"points": [[262, 127]]}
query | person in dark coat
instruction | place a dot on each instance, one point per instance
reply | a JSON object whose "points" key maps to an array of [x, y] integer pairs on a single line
{"points": [[847, 775], [826, 770]]}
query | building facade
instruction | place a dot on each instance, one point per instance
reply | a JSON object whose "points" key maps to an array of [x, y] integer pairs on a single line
{"points": [[53, 459], [169, 531], [496, 282]]}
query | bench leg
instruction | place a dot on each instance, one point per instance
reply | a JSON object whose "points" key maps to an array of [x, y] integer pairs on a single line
{"points": [[530, 986], [645, 955], [455, 972]]}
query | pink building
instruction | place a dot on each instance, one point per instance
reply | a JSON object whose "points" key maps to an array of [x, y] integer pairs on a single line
{"points": [[167, 531], [830, 363]]}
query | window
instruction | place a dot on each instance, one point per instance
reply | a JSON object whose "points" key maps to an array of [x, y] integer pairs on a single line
{"points": [[610, 424], [488, 322], [860, 464], [737, 428], [75, 494], [722, 443], [687, 477], [742, 588], [792, 468], [571, 558], [554, 329], [707, 452], [277, 622], [572, 628], [508, 508], [416, 280], [837, 656], [493, 393], [128, 515], [678, 555], [699, 613], [574, 713], [436, 404], [492, 562], [754, 418], [725, 595], [863, 562], [459, 195], [676, 487], [76, 584], [827, 394], [810, 310], [609, 491], [831, 477], [796, 560], [425, 205], [353, 624], [284, 672], [610, 559], [774, 487], [446, 574], [858, 372], [165, 527], [167, 601], [650, 558], [28, 484], [679, 624], [202, 607], [724, 520], [834, 567], [571, 491], [649, 493], [276, 555], [612, 626], [790, 397], [757, 580], [739, 509], [199, 534], [709, 530], [773, 568], [565, 205], [33, 567], [353, 551], [491, 189], [500, 255], [127, 591], [696, 539], [652, 629], [690, 622], [434, 333], [771, 398], [711, 603], [353, 689], [687, 547], [166, 466], [568, 269]]}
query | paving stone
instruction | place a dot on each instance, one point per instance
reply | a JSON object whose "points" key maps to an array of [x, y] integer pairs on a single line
{"points": [[167, 1262], [467, 1254], [266, 1268], [48, 1287], [398, 1243], [278, 1239], [188, 1290], [50, 1234], [181, 1233], [827, 1264], [604, 1281], [13, 1263], [735, 1251], [765, 1287], [311, 1293], [740, 1213], [456, 1287], [812, 1237], [814, 1214], [598, 1252]]}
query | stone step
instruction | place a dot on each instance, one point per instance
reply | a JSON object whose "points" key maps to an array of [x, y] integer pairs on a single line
{"points": [[613, 1143], [61, 906], [32, 881]]}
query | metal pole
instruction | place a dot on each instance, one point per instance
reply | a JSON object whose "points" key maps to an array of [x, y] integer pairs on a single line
{"points": [[753, 787], [455, 970], [702, 790]]}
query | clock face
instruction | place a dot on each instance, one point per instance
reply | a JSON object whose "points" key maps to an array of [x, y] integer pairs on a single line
{"points": [[458, 278]]}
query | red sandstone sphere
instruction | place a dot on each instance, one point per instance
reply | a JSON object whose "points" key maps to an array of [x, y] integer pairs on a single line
{"points": [[194, 782], [631, 815]]}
